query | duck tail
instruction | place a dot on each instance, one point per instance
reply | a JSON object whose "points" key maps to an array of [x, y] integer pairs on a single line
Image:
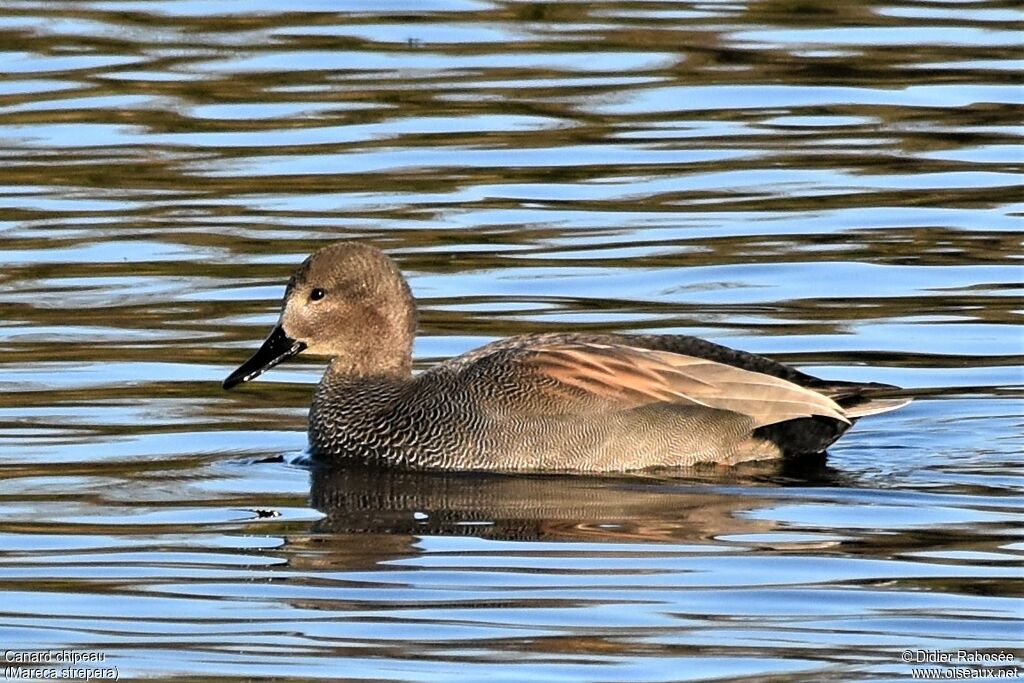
{"points": [[874, 406], [861, 400]]}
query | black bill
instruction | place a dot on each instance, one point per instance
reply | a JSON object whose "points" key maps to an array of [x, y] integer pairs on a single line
{"points": [[276, 348]]}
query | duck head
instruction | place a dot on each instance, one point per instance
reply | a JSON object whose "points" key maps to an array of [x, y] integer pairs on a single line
{"points": [[348, 302]]}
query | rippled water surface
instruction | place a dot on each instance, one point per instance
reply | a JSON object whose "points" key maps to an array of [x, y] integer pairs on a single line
{"points": [[835, 186]]}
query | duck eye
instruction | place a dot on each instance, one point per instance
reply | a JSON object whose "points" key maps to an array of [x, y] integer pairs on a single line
{"points": [[317, 294]]}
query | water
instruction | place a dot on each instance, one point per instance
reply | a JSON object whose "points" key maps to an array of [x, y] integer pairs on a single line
{"points": [[838, 187]]}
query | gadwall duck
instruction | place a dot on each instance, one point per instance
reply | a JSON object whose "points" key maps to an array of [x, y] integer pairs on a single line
{"points": [[542, 402]]}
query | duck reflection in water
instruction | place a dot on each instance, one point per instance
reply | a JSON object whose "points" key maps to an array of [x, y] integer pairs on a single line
{"points": [[705, 504]]}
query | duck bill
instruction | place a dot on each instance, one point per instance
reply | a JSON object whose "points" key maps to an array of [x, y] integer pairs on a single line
{"points": [[278, 347]]}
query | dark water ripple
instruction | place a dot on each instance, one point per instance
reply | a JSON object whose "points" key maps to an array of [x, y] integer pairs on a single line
{"points": [[836, 186]]}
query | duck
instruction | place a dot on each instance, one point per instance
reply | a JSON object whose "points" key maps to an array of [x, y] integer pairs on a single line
{"points": [[548, 402]]}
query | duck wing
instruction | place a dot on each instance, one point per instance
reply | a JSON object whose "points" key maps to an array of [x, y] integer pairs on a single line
{"points": [[578, 377]]}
